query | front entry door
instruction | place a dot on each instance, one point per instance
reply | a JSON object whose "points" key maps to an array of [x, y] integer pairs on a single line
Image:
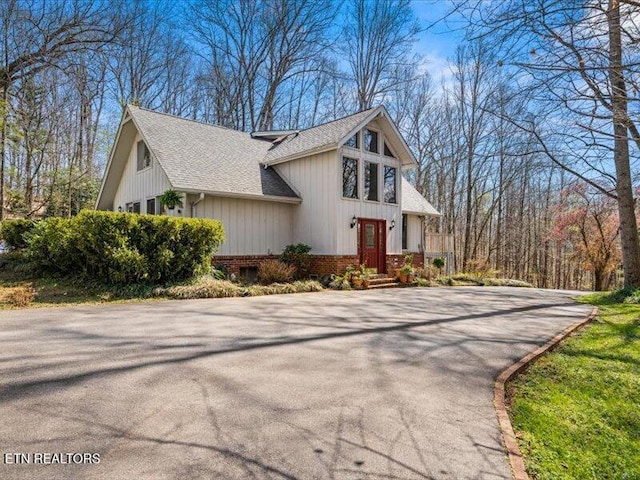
{"points": [[372, 246]]}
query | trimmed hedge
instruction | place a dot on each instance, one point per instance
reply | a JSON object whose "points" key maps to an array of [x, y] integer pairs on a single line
{"points": [[125, 247], [13, 232]]}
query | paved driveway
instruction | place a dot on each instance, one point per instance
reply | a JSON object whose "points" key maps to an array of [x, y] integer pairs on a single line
{"points": [[393, 384]]}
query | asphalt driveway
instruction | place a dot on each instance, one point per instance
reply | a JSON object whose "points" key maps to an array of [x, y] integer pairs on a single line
{"points": [[393, 384]]}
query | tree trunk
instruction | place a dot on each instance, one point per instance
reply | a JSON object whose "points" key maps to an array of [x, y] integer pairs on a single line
{"points": [[4, 108], [628, 224]]}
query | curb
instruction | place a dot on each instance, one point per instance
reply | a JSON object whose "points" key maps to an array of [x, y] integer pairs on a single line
{"points": [[509, 437]]}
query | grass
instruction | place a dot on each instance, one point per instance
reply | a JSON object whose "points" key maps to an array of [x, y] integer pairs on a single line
{"points": [[576, 411], [20, 288], [209, 287]]}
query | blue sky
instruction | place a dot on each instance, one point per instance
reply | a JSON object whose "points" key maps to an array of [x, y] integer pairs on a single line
{"points": [[438, 42]]}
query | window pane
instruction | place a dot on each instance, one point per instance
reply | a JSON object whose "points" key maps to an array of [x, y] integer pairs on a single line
{"points": [[349, 177], [144, 156], [136, 207], [390, 185], [404, 231], [371, 181], [353, 142], [151, 206], [369, 235], [370, 140], [387, 150]]}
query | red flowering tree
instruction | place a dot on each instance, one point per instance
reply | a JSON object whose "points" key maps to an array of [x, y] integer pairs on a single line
{"points": [[589, 222]]}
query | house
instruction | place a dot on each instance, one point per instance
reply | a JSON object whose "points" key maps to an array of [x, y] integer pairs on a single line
{"points": [[337, 187]]}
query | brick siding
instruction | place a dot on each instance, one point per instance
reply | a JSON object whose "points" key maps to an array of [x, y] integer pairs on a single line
{"points": [[320, 264]]}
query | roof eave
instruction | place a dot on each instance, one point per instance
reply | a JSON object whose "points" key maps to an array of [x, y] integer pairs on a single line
{"points": [[413, 212], [126, 117], [247, 196], [296, 156]]}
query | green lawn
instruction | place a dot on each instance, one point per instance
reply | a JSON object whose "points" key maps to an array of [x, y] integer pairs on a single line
{"points": [[576, 411]]}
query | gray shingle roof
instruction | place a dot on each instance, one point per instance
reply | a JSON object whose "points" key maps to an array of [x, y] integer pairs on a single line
{"points": [[414, 202], [207, 158], [327, 134]]}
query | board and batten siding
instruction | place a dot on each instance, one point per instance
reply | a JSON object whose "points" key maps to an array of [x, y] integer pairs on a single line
{"points": [[139, 186], [414, 233], [252, 227], [347, 238], [314, 220]]}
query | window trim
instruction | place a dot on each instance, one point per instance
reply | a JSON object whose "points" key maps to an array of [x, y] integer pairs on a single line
{"points": [[379, 137], [357, 173], [358, 146], [364, 180], [405, 231], [384, 181], [385, 144], [132, 205], [147, 167], [155, 205]]}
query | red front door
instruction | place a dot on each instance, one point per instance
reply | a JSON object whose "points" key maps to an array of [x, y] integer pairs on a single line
{"points": [[372, 248]]}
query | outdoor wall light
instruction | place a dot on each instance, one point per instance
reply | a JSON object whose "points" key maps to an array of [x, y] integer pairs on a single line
{"points": [[354, 220], [120, 209], [393, 225]]}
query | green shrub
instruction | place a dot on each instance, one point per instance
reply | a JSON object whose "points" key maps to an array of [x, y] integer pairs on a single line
{"points": [[125, 248], [275, 271], [13, 232], [439, 263], [298, 256]]}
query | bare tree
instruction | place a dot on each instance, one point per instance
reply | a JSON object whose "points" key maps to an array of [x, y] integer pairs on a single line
{"points": [[41, 35], [578, 58], [379, 34]]}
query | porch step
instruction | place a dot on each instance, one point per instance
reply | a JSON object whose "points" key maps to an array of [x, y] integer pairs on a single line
{"points": [[375, 276], [377, 286], [381, 280]]}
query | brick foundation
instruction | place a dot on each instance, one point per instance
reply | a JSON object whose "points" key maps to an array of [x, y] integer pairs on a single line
{"points": [[395, 261], [320, 264], [232, 263], [328, 264]]}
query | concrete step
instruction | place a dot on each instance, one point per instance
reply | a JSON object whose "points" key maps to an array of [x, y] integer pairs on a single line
{"points": [[384, 285]]}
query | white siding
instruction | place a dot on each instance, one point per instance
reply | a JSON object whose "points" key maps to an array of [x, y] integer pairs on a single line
{"points": [[139, 186], [414, 233], [252, 227], [347, 208], [314, 220]]}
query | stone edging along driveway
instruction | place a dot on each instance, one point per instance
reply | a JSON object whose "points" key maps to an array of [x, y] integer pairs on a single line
{"points": [[513, 450]]}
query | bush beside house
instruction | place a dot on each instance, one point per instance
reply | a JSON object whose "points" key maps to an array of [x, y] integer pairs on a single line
{"points": [[13, 232], [119, 247]]}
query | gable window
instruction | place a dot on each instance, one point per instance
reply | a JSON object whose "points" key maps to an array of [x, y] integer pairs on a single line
{"points": [[404, 231], [349, 177], [144, 156], [387, 151], [353, 142], [390, 185], [370, 141], [371, 181]]}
